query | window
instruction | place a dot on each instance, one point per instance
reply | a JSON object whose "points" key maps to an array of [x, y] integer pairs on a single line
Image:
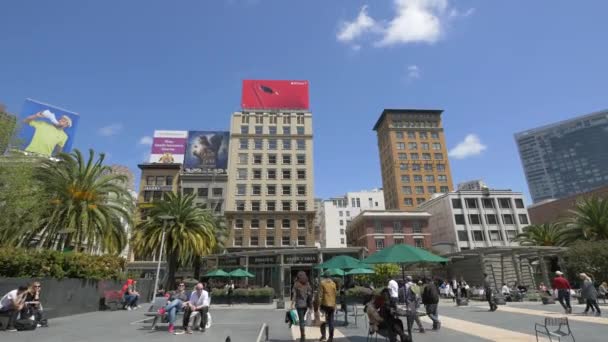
{"points": [[459, 218], [511, 234], [287, 159], [203, 192], [300, 119], [258, 144], [487, 203], [241, 174], [256, 190], [358, 202], [301, 174], [255, 205], [272, 130], [442, 178], [269, 240], [412, 146], [253, 241], [462, 236], [150, 180], [430, 178], [523, 219], [258, 130], [519, 203], [286, 120], [218, 192], [407, 190], [240, 205], [257, 159], [148, 196], [301, 159], [477, 235], [238, 224], [419, 200], [341, 222], [160, 180], [301, 240], [399, 241], [286, 130], [436, 146], [426, 156], [420, 190], [397, 228], [428, 167], [157, 196], [399, 135], [285, 240], [272, 144], [285, 223], [444, 189], [471, 202], [347, 213], [169, 180], [301, 190], [419, 243], [286, 174], [257, 174], [286, 206], [378, 227], [272, 159], [255, 223], [238, 240], [342, 241], [474, 219], [408, 202], [417, 178], [259, 119], [400, 146], [508, 219], [438, 156], [405, 178], [440, 167], [300, 130], [286, 144], [218, 207], [431, 189], [402, 156], [271, 189], [422, 135], [270, 224], [273, 119], [403, 167], [434, 135], [244, 129], [415, 167], [243, 144], [301, 144], [188, 191], [379, 244], [425, 147], [242, 158], [414, 156], [272, 174], [301, 223], [495, 235], [504, 203], [491, 219], [456, 203], [270, 206], [286, 190], [411, 135], [301, 206]]}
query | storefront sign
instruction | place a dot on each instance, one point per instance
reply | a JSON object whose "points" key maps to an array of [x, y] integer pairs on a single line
{"points": [[263, 260], [158, 187], [230, 262], [206, 171], [302, 259]]}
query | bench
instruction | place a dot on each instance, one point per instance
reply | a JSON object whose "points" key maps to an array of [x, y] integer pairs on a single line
{"points": [[113, 300]]}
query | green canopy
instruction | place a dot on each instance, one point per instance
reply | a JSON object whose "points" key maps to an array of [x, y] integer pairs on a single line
{"points": [[403, 254], [216, 274], [333, 272], [342, 262], [360, 271], [240, 273]]}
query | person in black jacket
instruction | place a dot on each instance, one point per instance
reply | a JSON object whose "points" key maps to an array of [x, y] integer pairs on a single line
{"points": [[430, 299]]}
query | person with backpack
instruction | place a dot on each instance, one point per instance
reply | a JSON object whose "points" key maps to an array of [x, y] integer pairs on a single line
{"points": [[430, 299], [301, 300], [412, 302], [11, 304], [487, 287], [327, 300]]}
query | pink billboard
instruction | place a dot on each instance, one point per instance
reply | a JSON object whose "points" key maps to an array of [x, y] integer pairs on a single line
{"points": [[274, 94], [169, 147]]}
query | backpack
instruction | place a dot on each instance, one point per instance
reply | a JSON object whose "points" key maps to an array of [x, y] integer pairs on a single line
{"points": [[25, 324]]}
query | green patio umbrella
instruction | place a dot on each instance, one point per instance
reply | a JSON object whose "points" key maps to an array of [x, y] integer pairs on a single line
{"points": [[240, 273], [360, 271], [217, 274], [335, 272], [342, 262], [403, 254]]}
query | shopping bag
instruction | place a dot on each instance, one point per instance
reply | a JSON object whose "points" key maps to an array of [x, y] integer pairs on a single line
{"points": [[555, 293], [293, 315], [208, 321], [309, 318]]}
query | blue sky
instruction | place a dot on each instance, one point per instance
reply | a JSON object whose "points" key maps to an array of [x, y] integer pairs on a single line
{"points": [[494, 67]]}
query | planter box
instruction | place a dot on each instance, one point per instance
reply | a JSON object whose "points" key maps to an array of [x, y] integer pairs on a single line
{"points": [[243, 300]]}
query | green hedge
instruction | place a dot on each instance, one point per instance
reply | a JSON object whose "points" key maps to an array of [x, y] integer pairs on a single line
{"points": [[32, 263], [244, 293]]}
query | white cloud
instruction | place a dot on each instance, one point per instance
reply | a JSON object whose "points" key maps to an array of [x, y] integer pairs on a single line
{"points": [[456, 13], [470, 146], [413, 72], [110, 130], [145, 140], [349, 31]]}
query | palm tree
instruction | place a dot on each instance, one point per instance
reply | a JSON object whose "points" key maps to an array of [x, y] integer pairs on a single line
{"points": [[89, 206], [548, 234], [589, 219], [191, 233]]}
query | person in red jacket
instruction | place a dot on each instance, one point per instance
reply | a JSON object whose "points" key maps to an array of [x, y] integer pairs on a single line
{"points": [[562, 286]]}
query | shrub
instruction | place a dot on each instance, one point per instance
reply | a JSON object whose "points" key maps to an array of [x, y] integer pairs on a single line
{"points": [[589, 257], [31, 263]]}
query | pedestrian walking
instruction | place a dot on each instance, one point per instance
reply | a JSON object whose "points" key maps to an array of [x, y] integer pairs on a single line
{"points": [[327, 299], [487, 287], [301, 300], [562, 286], [430, 299], [393, 290], [589, 292], [230, 291], [412, 302]]}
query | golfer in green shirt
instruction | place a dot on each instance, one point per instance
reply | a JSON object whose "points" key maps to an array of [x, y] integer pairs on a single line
{"points": [[48, 138]]}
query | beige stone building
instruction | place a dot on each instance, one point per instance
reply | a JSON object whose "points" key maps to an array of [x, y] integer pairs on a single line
{"points": [[270, 199]]}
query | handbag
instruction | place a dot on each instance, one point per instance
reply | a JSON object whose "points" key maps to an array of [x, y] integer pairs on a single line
{"points": [[293, 315], [309, 318]]}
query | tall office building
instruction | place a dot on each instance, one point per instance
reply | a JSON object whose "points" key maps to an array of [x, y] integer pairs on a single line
{"points": [[413, 157], [565, 158], [270, 199]]}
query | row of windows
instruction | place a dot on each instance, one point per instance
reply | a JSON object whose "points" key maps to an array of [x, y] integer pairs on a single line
{"points": [[271, 144], [408, 202], [258, 159], [413, 124], [427, 167], [271, 206], [491, 219], [421, 135], [398, 227], [285, 241], [159, 180], [271, 190], [204, 192], [272, 130], [423, 146], [479, 235], [431, 189], [427, 178], [380, 243], [270, 223], [488, 203], [416, 156], [270, 174], [273, 118]]}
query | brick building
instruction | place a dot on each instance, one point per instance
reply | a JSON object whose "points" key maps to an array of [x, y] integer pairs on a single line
{"points": [[554, 210]]}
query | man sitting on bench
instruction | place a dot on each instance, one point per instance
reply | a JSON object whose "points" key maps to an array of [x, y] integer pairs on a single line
{"points": [[199, 302], [177, 299], [11, 304]]}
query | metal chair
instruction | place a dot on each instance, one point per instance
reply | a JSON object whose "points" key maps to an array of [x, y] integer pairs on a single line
{"points": [[548, 329]]}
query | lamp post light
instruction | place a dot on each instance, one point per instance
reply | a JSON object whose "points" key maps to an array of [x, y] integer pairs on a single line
{"points": [[165, 219]]}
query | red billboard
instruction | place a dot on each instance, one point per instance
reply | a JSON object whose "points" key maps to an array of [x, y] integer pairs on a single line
{"points": [[276, 94]]}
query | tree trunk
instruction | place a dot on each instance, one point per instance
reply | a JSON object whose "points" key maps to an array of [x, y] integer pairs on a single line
{"points": [[172, 266], [197, 267]]}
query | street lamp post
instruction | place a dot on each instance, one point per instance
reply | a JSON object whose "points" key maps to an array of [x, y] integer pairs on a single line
{"points": [[165, 219]]}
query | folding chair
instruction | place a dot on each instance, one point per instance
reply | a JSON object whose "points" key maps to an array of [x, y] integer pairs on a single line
{"points": [[158, 303], [372, 335], [548, 329]]}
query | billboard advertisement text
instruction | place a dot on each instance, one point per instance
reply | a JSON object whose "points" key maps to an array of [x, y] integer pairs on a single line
{"points": [[47, 130], [168, 147], [206, 150], [275, 94]]}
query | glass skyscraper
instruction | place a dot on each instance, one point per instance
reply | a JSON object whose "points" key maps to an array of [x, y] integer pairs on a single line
{"points": [[565, 158]]}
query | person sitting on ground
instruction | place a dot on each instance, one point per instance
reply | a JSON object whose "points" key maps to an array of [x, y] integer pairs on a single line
{"points": [[506, 292], [11, 304], [199, 302], [383, 318], [603, 291], [177, 299], [33, 307], [131, 296]]}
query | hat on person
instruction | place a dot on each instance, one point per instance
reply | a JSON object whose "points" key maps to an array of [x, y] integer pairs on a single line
{"points": [[559, 273]]}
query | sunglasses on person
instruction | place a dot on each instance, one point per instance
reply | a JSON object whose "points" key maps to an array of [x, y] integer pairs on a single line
{"points": [[181, 285]]}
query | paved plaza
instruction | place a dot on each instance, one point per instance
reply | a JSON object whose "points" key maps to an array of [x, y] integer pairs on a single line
{"points": [[513, 322]]}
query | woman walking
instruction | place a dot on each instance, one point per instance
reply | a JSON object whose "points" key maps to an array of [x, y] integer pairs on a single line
{"points": [[589, 292], [301, 300]]}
